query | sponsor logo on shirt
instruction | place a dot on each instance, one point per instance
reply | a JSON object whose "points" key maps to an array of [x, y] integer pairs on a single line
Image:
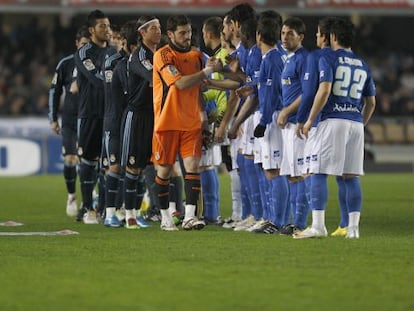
{"points": [[345, 108], [286, 81]]}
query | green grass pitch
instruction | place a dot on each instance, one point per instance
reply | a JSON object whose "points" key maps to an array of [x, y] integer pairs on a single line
{"points": [[212, 269]]}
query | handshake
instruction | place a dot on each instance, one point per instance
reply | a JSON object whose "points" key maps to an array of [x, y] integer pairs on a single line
{"points": [[212, 65]]}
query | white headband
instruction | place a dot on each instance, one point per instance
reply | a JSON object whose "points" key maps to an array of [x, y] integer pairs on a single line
{"points": [[150, 21]]}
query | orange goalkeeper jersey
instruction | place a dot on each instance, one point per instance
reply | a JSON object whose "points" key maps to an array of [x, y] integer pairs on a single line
{"points": [[175, 109]]}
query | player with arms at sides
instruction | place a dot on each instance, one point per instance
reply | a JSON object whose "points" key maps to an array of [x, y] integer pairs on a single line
{"points": [[116, 91], [90, 81], [61, 82], [293, 32], [310, 86], [177, 74], [138, 119], [346, 101], [270, 135]]}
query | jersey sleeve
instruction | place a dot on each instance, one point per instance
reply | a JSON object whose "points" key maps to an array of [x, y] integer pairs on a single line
{"points": [[85, 65], [118, 89], [166, 67], [310, 84], [141, 66], [55, 92]]}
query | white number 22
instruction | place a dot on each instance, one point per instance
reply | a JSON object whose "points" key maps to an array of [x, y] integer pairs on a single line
{"points": [[349, 83]]}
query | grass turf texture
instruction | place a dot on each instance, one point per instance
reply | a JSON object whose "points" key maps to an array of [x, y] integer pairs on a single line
{"points": [[212, 269]]}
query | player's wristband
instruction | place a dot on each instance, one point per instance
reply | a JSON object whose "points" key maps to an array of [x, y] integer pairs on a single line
{"points": [[208, 71]]}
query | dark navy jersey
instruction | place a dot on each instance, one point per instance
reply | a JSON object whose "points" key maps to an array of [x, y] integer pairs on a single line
{"points": [[351, 81], [119, 88], [269, 85], [310, 84], [62, 80], [89, 61], [140, 79], [112, 110], [292, 79]]}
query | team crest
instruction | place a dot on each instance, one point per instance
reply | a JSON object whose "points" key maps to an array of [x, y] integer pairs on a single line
{"points": [[131, 160], [54, 80], [172, 70], [108, 76], [80, 151], [112, 158], [147, 64], [88, 64], [157, 156]]}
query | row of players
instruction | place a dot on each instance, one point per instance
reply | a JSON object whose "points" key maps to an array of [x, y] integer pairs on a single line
{"points": [[293, 118]]}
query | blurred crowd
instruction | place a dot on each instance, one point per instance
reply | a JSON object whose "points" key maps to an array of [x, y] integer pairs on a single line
{"points": [[28, 59]]}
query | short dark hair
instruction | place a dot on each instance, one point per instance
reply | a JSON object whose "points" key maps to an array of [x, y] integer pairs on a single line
{"points": [[344, 30], [325, 25], [141, 21], [297, 24], [93, 17], [214, 25], [241, 12], [128, 32], [82, 32], [271, 14], [269, 30], [248, 28], [177, 20]]}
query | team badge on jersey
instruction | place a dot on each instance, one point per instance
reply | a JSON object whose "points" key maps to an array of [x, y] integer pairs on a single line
{"points": [[147, 64], [80, 151], [88, 64], [131, 160], [157, 156], [172, 70], [108, 76], [54, 80], [112, 158]]}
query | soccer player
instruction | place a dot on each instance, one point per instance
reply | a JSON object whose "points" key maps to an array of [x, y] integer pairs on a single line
{"points": [[310, 86], [215, 106], [293, 32], [270, 103], [138, 119], [116, 91], [177, 75], [346, 101], [61, 82], [89, 63]]}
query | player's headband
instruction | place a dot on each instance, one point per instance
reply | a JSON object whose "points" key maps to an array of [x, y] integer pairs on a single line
{"points": [[146, 24]]}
